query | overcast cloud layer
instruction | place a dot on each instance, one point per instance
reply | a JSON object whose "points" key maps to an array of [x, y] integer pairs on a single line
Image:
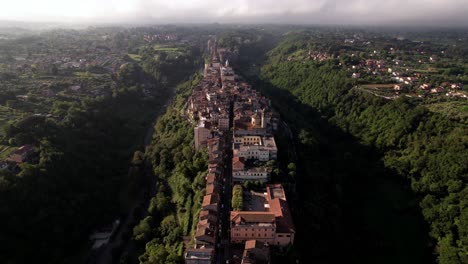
{"points": [[420, 12]]}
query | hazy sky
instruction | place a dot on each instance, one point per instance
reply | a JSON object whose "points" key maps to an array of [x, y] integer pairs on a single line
{"points": [[433, 12]]}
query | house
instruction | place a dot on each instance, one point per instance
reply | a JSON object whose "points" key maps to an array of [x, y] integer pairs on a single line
{"points": [[399, 87], [215, 168], [437, 90], [272, 224], [278, 205], [22, 154], [238, 163], [246, 225], [206, 233], [256, 252], [211, 189], [23, 98], [425, 86], [202, 255], [255, 147], [211, 215], [261, 174], [210, 202], [211, 178], [356, 75], [201, 134]]}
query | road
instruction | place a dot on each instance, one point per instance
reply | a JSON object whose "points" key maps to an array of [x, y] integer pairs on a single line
{"points": [[223, 253]]}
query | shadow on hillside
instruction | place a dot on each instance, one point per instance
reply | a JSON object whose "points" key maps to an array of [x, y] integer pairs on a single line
{"points": [[348, 207]]}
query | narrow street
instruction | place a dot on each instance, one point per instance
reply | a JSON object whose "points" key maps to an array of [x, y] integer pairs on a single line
{"points": [[223, 253]]}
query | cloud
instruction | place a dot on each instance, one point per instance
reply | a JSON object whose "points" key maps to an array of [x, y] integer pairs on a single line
{"points": [[247, 11]]}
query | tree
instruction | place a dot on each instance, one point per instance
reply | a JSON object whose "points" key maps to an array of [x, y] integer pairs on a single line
{"points": [[155, 253], [167, 225], [447, 251], [237, 198], [159, 204], [142, 231]]}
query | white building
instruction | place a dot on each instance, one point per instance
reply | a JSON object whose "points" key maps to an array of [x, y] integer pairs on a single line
{"points": [[255, 147], [254, 174]]}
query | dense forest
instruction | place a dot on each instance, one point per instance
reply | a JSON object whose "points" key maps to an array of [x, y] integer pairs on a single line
{"points": [[370, 169]]}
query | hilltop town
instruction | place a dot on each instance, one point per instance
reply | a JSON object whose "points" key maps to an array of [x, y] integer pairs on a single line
{"points": [[236, 125]]}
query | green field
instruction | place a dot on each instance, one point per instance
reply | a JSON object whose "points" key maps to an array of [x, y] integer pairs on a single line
{"points": [[83, 74], [166, 48], [378, 86], [430, 70], [135, 57], [5, 151]]}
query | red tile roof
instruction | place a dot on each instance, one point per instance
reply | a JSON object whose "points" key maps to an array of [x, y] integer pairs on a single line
{"points": [[252, 217]]}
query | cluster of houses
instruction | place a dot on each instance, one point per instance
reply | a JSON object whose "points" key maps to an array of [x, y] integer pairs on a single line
{"points": [[210, 107], [224, 108], [207, 233], [401, 67], [405, 79], [69, 59], [160, 37]]}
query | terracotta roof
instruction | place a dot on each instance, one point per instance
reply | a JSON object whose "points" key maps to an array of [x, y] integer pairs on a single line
{"points": [[213, 167], [254, 244], [208, 214], [252, 217], [210, 179], [280, 209], [238, 163], [211, 189], [255, 252], [238, 159], [205, 231], [210, 199], [19, 155]]}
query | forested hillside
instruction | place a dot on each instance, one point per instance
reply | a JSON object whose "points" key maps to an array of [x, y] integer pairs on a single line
{"points": [[374, 166], [78, 179], [179, 172]]}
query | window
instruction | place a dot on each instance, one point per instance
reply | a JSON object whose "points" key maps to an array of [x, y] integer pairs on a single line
{"points": [[288, 235]]}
